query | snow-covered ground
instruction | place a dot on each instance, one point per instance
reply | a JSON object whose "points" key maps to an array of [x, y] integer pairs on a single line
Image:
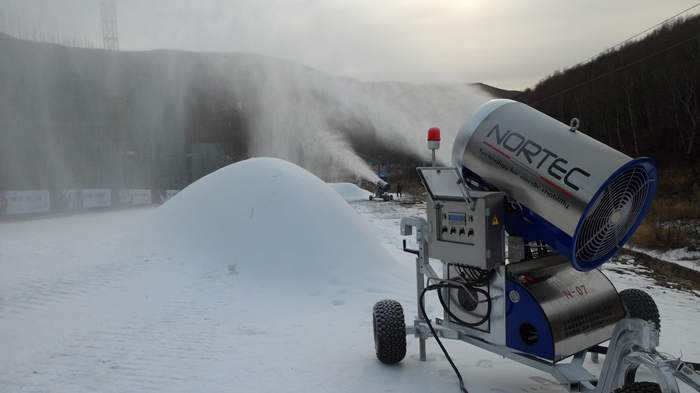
{"points": [[258, 278]]}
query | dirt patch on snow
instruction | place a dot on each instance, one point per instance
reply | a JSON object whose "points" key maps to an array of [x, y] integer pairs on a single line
{"points": [[666, 274]]}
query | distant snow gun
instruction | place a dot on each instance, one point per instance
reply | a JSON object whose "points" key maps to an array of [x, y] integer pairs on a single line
{"points": [[381, 191], [520, 224]]}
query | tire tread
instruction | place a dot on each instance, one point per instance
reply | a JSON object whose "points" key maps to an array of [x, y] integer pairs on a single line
{"points": [[639, 304], [389, 331], [640, 387]]}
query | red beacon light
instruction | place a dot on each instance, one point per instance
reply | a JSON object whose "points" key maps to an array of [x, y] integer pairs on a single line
{"points": [[434, 134], [434, 138], [433, 141]]}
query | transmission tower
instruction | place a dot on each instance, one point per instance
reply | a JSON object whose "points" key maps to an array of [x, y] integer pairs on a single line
{"points": [[110, 32]]}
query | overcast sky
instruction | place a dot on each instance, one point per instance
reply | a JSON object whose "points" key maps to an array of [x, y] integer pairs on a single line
{"points": [[510, 44]]}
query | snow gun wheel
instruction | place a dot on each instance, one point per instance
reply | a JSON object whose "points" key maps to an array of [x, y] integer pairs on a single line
{"points": [[639, 304], [371, 197], [389, 331], [640, 387]]}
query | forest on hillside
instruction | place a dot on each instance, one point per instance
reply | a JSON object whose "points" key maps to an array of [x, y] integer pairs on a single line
{"points": [[641, 98]]}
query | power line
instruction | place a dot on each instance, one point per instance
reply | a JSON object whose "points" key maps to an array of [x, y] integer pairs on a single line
{"points": [[645, 58], [629, 64], [648, 29]]}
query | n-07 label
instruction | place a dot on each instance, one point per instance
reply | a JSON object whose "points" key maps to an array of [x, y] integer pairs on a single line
{"points": [[575, 291]]}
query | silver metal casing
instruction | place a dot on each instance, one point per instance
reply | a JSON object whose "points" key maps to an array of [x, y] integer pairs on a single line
{"points": [[572, 310], [583, 197]]}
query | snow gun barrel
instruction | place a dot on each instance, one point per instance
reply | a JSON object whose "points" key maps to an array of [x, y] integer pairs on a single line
{"points": [[580, 196]]}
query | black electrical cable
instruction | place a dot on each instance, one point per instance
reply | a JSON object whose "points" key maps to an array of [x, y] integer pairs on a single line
{"points": [[480, 277], [435, 335], [459, 321], [473, 279], [473, 275]]}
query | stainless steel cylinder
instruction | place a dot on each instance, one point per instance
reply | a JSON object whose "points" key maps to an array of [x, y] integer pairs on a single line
{"points": [[577, 194]]}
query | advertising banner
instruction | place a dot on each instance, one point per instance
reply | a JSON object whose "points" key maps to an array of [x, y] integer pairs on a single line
{"points": [[66, 200], [135, 197], [140, 197], [24, 202], [96, 198]]}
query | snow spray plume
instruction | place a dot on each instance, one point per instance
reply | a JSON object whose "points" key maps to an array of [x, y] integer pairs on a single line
{"points": [[307, 117], [289, 121]]}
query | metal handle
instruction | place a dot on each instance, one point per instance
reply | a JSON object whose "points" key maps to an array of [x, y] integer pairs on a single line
{"points": [[573, 125], [416, 252], [465, 192]]}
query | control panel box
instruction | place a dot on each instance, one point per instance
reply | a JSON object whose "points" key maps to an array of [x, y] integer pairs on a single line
{"points": [[466, 226]]}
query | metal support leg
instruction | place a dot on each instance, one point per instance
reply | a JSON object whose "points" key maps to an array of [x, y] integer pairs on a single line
{"points": [[634, 343], [421, 349], [422, 263], [420, 285]]}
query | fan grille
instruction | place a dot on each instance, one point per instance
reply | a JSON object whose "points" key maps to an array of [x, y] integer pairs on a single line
{"points": [[613, 214]]}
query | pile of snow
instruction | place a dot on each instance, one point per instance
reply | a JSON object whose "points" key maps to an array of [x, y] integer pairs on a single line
{"points": [[258, 277], [268, 218], [351, 192]]}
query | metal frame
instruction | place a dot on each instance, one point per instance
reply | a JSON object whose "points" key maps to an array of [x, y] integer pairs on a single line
{"points": [[633, 342]]}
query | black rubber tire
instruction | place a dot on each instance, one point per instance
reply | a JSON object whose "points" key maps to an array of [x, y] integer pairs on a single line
{"points": [[389, 331], [639, 304], [640, 387], [371, 198]]}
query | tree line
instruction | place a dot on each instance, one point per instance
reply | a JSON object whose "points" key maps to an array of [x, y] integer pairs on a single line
{"points": [[640, 98]]}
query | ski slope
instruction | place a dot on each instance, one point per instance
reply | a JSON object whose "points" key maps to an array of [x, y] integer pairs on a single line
{"points": [[257, 278]]}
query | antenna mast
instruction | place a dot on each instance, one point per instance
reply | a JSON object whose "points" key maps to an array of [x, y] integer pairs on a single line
{"points": [[110, 31]]}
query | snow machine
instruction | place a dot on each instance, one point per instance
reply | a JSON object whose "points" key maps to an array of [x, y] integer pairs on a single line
{"points": [[381, 192], [520, 225]]}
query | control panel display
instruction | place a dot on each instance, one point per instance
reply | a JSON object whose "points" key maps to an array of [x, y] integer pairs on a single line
{"points": [[457, 219], [455, 227]]}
